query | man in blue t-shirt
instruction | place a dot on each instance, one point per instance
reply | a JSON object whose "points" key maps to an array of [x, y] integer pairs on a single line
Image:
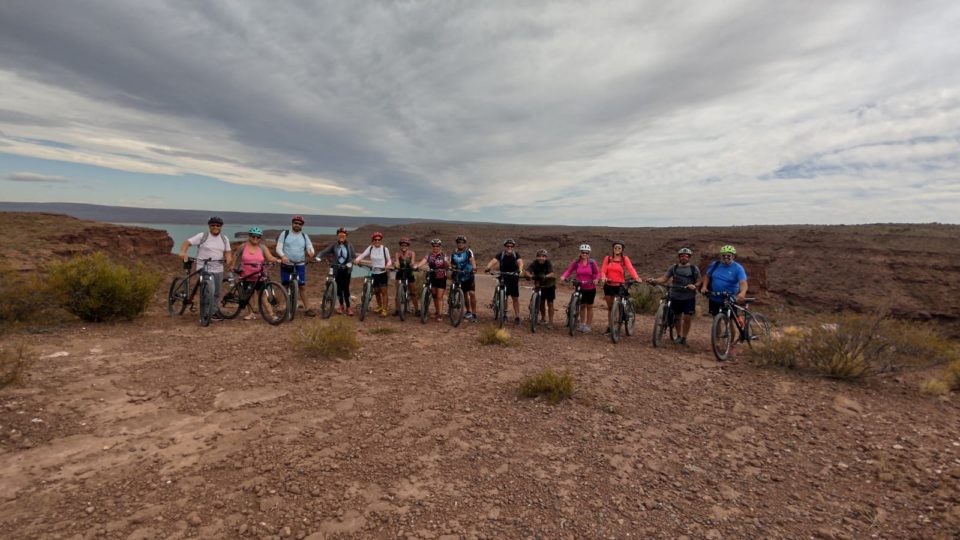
{"points": [[726, 276]]}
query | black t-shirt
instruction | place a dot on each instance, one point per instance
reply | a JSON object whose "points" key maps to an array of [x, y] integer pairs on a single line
{"points": [[508, 262], [538, 270]]}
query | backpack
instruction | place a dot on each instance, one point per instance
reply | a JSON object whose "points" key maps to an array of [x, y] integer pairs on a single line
{"points": [[206, 234], [694, 274]]}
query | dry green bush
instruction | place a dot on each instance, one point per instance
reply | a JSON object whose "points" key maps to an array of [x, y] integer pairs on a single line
{"points": [[333, 338], [853, 346], [934, 387], [645, 298], [13, 365], [27, 299], [96, 289], [555, 386], [951, 375], [491, 335]]}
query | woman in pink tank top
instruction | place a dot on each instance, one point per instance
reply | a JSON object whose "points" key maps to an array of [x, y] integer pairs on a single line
{"points": [[251, 256]]}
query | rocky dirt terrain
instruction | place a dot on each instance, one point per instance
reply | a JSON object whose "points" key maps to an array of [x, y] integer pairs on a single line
{"points": [[158, 428]]}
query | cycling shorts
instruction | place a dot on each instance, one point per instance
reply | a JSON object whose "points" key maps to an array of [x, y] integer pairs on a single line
{"points": [[300, 270], [587, 297], [438, 283], [715, 307], [512, 284], [611, 290], [380, 280], [469, 286], [549, 294], [686, 307]]}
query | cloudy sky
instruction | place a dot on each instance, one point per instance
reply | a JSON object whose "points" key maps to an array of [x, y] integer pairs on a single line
{"points": [[608, 113]]}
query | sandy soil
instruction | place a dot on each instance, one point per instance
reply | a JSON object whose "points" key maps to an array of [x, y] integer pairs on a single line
{"points": [[162, 429]]}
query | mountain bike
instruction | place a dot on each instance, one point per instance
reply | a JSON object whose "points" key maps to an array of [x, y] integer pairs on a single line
{"points": [[455, 299], [499, 303], [272, 298], [664, 320], [292, 288], [403, 293], [178, 298], [623, 316], [573, 307], [426, 295], [534, 307], [328, 302], [735, 324], [366, 293]]}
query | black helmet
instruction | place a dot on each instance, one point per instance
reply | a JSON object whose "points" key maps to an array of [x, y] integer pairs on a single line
{"points": [[509, 241], [461, 238], [215, 220], [618, 241]]}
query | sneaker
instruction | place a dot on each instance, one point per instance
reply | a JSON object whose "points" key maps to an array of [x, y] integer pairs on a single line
{"points": [[584, 328], [310, 313], [339, 310], [349, 312], [607, 331], [217, 317], [677, 340], [383, 312], [683, 341]]}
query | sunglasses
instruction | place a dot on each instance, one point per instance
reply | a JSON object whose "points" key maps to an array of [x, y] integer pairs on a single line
{"points": [[298, 223], [216, 225], [584, 252], [726, 256], [255, 236]]}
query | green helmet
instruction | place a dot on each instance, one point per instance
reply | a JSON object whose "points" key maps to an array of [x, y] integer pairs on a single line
{"points": [[728, 249], [255, 230]]}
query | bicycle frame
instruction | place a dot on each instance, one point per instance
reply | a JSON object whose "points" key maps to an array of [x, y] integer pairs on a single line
{"points": [[573, 313], [622, 312]]}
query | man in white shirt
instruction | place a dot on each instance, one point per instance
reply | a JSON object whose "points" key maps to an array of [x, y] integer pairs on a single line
{"points": [[213, 249]]}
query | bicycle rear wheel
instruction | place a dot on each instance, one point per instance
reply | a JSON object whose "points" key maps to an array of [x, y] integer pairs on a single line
{"points": [[365, 298], [672, 322], [660, 324], [233, 301], [573, 314], [615, 319], [758, 328], [294, 297], [273, 302], [403, 297], [455, 307], [721, 336], [425, 297], [207, 306], [534, 310], [177, 297], [329, 301], [629, 318]]}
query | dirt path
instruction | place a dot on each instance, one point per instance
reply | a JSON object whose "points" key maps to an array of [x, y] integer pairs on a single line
{"points": [[162, 429]]}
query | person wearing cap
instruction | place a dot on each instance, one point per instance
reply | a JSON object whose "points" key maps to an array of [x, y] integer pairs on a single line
{"points": [[436, 261], [293, 248], [509, 260], [541, 270], [684, 279], [724, 275], [378, 259], [404, 262], [463, 261], [250, 257], [614, 271], [341, 254], [214, 248]]}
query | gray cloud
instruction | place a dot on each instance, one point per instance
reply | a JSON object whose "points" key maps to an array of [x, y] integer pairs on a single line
{"points": [[34, 178]]}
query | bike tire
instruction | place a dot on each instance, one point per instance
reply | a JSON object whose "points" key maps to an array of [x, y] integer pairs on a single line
{"points": [[758, 328], [721, 336], [365, 298], [425, 297], [232, 302], [534, 311], [499, 307], [573, 314], [177, 297], [294, 297], [660, 324], [403, 296], [629, 318], [672, 324], [329, 301], [206, 303], [273, 300], [614, 319], [455, 307]]}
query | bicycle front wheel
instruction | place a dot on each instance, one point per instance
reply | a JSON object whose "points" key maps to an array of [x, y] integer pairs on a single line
{"points": [[425, 303], [329, 301], [721, 336], [614, 319], [534, 311], [629, 318], [573, 314], [177, 297], [232, 302], [758, 328], [402, 298], [660, 324], [455, 307], [294, 297], [498, 308], [207, 306], [273, 300], [365, 298]]}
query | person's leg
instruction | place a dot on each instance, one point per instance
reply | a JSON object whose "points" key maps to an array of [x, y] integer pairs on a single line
{"points": [[302, 279], [411, 287], [550, 311], [472, 302]]}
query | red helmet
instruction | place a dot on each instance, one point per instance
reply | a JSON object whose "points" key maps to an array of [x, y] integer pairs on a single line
{"points": [[404, 240], [297, 218], [376, 235]]}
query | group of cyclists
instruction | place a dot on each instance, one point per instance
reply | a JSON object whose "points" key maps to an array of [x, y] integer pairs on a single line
{"points": [[294, 250]]}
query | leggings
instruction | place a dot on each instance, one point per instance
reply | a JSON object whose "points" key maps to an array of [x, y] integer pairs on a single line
{"points": [[343, 286]]}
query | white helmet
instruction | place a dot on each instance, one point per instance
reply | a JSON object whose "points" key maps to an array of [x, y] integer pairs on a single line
{"points": [[585, 247]]}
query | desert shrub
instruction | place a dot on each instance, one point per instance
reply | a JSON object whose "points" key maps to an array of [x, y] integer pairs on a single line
{"points": [[96, 289], [934, 387], [13, 364], [854, 346], [951, 375], [556, 386], [645, 298], [335, 338], [491, 335], [27, 298]]}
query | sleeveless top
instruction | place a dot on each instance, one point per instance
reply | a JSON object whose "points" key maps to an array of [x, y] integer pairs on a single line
{"points": [[251, 257], [404, 263]]}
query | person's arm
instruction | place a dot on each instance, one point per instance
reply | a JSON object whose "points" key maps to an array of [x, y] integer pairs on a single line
{"points": [[420, 264], [389, 261], [603, 270], [519, 265], [270, 257], [279, 248], [362, 255], [742, 292], [490, 264], [473, 262], [570, 269], [705, 283], [629, 265], [310, 251], [549, 273], [228, 255], [184, 248]]}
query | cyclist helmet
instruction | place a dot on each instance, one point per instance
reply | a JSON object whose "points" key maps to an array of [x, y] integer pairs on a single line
{"points": [[404, 240], [215, 220], [685, 251], [621, 242], [462, 238], [541, 252], [376, 235], [436, 242], [585, 247], [255, 231], [728, 249], [296, 219], [509, 241], [341, 230]]}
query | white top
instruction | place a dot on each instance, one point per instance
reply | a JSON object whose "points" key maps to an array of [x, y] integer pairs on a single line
{"points": [[211, 249], [379, 258]]}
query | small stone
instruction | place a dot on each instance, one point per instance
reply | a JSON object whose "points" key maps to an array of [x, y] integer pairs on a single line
{"points": [[89, 509], [194, 519]]}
